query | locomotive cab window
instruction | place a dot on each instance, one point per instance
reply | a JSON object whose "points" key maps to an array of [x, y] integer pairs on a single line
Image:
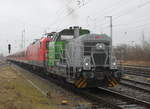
{"points": [[66, 37]]}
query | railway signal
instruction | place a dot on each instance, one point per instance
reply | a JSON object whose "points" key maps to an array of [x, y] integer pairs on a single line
{"points": [[9, 48]]}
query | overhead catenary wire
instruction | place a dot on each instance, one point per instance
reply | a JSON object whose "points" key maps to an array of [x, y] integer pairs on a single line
{"points": [[132, 9], [73, 10], [59, 12], [103, 21], [105, 10], [141, 25], [115, 17], [57, 21], [108, 13], [128, 25], [138, 27]]}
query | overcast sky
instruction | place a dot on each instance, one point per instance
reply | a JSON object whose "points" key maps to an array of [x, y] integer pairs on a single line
{"points": [[131, 18]]}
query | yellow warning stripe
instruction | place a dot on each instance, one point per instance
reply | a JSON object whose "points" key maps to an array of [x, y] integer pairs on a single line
{"points": [[113, 84], [109, 81], [84, 84], [115, 80], [78, 81], [109, 85], [81, 83]]}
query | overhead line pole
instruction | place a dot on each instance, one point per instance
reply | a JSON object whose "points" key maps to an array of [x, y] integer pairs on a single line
{"points": [[111, 42], [23, 39]]}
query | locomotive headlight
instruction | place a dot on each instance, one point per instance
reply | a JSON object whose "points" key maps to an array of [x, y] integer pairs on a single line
{"points": [[114, 63], [87, 63], [100, 46]]}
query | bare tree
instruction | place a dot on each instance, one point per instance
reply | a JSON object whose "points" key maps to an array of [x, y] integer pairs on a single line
{"points": [[133, 53]]}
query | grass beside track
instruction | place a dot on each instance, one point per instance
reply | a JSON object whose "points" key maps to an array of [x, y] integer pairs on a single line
{"points": [[17, 93]]}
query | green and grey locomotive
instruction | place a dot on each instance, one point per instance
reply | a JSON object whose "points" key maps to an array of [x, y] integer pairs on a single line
{"points": [[82, 58]]}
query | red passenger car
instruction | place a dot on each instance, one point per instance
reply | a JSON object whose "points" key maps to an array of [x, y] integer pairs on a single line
{"points": [[34, 54]]}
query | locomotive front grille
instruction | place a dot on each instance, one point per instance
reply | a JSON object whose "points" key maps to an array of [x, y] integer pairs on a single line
{"points": [[100, 57]]}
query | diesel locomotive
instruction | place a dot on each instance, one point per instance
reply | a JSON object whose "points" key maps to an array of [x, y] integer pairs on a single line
{"points": [[74, 54]]}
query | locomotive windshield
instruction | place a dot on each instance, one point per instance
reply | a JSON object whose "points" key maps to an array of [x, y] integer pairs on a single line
{"points": [[66, 37]]}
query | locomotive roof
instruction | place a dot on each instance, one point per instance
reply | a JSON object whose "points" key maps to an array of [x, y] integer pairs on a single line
{"points": [[71, 31], [96, 37]]}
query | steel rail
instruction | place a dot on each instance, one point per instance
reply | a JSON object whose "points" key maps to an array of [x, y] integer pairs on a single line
{"points": [[126, 97], [137, 67], [136, 82], [136, 87], [130, 72], [139, 71]]}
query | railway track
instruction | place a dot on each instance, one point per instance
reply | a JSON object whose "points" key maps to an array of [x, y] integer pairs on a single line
{"points": [[123, 101], [136, 84], [133, 91], [136, 70], [3, 64], [104, 98], [113, 100]]}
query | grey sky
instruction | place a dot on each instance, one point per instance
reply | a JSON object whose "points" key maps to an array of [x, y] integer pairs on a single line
{"points": [[130, 18]]}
